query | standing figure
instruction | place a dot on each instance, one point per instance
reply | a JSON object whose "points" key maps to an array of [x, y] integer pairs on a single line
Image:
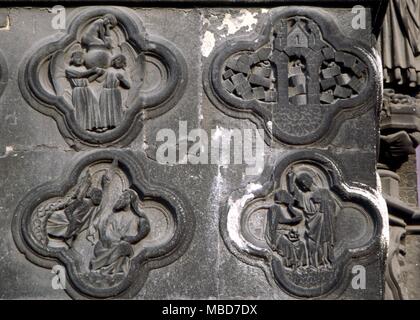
{"points": [[126, 226], [110, 100], [282, 234], [400, 44], [324, 233], [319, 210], [84, 102]]}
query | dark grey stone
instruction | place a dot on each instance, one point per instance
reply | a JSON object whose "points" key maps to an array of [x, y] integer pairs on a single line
{"points": [[91, 195]]}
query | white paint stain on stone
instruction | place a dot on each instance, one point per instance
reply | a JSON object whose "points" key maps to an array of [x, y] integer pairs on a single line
{"points": [[8, 151], [7, 26], [234, 220], [234, 24], [252, 187], [207, 43]]}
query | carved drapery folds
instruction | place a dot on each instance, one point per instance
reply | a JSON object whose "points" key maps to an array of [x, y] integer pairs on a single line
{"points": [[294, 78], [304, 226], [102, 77], [400, 43], [106, 223]]}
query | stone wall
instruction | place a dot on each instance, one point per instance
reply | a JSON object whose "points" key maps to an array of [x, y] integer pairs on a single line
{"points": [[110, 174]]}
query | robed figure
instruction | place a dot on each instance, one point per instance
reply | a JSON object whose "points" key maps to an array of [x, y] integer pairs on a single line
{"points": [[400, 43]]}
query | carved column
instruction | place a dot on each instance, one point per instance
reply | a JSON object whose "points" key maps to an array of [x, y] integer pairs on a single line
{"points": [[400, 134]]}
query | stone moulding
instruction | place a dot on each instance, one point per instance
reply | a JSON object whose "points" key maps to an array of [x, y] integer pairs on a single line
{"points": [[4, 74], [103, 78], [106, 222], [298, 79], [268, 225]]}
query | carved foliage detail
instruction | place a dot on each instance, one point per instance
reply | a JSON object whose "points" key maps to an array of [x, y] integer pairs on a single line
{"points": [[104, 226], [298, 74], [103, 75], [303, 227]]}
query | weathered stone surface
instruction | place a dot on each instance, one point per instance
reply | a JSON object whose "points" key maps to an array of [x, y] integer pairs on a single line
{"points": [[90, 194], [399, 47]]}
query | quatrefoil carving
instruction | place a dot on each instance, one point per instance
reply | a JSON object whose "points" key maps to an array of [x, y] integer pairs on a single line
{"points": [[298, 79], [304, 227], [107, 223], [103, 78]]}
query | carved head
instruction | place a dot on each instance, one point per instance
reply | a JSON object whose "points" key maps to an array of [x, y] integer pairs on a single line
{"points": [[304, 181], [77, 59], [119, 62], [109, 19], [95, 194]]}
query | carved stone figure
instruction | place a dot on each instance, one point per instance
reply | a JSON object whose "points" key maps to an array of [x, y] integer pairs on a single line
{"points": [[98, 114], [400, 43], [396, 257], [312, 211], [283, 234], [98, 35], [93, 80], [126, 226], [313, 224], [84, 101], [319, 210], [67, 220], [110, 99], [285, 78], [104, 227]]}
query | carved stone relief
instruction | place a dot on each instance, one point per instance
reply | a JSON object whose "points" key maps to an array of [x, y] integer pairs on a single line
{"points": [[304, 226], [294, 78], [399, 44], [408, 184], [109, 223], [103, 78], [395, 265], [106, 223], [3, 73]]}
